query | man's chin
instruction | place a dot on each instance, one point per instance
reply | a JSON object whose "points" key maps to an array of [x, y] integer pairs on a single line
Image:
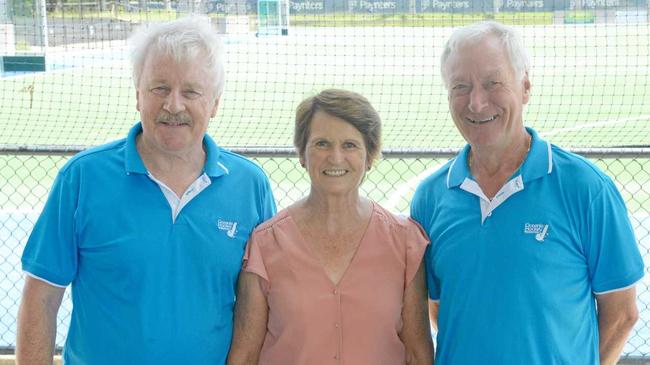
{"points": [[174, 143]]}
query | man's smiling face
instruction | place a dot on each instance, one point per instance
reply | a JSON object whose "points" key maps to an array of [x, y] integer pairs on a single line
{"points": [[486, 97]]}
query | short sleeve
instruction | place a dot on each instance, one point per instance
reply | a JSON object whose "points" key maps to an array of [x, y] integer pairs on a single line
{"points": [[51, 250], [433, 284], [612, 253], [420, 215], [253, 260], [268, 207], [416, 244]]}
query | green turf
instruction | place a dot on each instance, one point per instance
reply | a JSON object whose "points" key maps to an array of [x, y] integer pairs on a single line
{"points": [[590, 89], [580, 76]]}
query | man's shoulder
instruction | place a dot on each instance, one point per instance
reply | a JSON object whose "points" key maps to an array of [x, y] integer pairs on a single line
{"points": [[95, 155], [573, 167], [438, 177], [236, 163]]}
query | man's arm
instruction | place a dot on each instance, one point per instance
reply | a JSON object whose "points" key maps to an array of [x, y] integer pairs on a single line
{"points": [[251, 316], [617, 313], [433, 313], [416, 333], [37, 322]]}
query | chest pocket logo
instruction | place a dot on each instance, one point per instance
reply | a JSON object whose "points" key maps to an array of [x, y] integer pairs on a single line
{"points": [[539, 230], [229, 227]]}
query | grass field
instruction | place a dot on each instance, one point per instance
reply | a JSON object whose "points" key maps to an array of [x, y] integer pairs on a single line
{"points": [[590, 89], [591, 81]]}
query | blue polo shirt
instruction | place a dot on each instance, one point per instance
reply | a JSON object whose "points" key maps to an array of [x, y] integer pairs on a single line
{"points": [[516, 276], [147, 289]]}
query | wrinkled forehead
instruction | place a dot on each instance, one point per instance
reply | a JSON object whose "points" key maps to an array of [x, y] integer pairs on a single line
{"points": [[468, 68], [167, 70]]}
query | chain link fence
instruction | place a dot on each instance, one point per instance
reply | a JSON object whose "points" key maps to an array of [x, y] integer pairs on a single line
{"points": [[26, 175]]}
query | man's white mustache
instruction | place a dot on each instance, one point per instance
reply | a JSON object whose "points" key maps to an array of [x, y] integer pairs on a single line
{"points": [[180, 118]]}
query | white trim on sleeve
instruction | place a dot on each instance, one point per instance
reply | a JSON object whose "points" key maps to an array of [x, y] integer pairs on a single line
{"points": [[617, 289], [43, 280]]}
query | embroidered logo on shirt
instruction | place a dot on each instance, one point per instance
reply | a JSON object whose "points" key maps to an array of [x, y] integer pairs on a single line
{"points": [[539, 230], [229, 227]]}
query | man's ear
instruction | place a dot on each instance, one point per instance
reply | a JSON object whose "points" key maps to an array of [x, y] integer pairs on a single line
{"points": [[137, 99], [525, 83], [215, 107]]}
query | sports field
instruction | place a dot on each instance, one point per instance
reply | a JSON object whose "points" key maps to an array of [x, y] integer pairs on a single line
{"points": [[590, 89]]}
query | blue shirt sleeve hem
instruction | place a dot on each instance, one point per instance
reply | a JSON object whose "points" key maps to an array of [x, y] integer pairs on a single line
{"points": [[613, 285], [41, 272]]}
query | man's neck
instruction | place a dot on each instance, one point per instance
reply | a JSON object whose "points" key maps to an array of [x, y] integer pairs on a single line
{"points": [[176, 170], [492, 168]]}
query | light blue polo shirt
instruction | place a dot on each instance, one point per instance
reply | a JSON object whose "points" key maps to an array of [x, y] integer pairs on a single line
{"points": [[516, 277], [147, 289]]}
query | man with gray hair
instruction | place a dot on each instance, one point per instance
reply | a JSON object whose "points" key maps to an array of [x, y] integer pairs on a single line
{"points": [[149, 230], [532, 258]]}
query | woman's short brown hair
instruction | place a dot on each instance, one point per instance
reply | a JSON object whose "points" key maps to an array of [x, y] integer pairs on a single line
{"points": [[346, 105]]}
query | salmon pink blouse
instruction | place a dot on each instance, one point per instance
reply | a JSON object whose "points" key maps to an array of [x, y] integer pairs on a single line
{"points": [[313, 321]]}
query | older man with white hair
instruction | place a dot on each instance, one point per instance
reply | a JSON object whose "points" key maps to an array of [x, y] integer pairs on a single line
{"points": [[149, 230], [532, 259]]}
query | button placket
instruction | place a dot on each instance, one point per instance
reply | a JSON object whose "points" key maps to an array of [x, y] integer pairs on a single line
{"points": [[337, 355]]}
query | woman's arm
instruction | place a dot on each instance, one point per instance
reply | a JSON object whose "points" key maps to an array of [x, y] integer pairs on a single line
{"points": [[251, 316], [416, 333]]}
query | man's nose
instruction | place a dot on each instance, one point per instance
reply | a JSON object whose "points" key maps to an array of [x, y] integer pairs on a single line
{"points": [[174, 102], [478, 99]]}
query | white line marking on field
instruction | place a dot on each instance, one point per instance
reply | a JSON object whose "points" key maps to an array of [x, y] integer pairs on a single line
{"points": [[600, 123], [411, 184]]}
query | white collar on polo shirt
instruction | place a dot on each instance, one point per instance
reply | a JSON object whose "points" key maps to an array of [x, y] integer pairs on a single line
{"points": [[175, 203]]}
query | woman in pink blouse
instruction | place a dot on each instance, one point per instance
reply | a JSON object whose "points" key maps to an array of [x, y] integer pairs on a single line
{"points": [[334, 278]]}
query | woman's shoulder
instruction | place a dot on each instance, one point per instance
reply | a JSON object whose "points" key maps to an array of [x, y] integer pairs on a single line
{"points": [[399, 229], [394, 220], [279, 219]]}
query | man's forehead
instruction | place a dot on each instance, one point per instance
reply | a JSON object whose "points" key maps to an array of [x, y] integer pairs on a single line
{"points": [[165, 68], [471, 67]]}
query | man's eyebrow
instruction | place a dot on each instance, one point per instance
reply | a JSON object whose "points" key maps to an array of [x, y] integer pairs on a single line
{"points": [[457, 77], [158, 80], [193, 86], [460, 77], [495, 73]]}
